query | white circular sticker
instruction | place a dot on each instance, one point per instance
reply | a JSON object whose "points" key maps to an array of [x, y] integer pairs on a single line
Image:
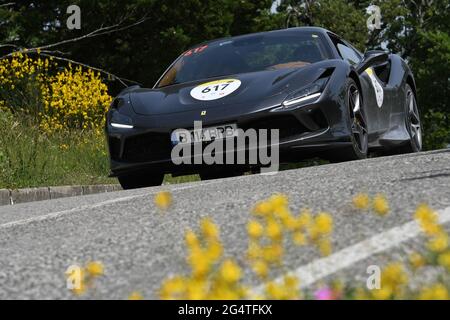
{"points": [[379, 93], [215, 90]]}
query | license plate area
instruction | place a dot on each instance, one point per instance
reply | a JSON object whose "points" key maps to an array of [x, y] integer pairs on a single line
{"points": [[207, 134]]}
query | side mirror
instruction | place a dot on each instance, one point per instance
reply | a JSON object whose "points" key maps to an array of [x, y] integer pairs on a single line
{"points": [[371, 58]]}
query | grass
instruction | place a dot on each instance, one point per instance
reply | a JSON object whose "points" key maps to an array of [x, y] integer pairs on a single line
{"points": [[29, 158]]}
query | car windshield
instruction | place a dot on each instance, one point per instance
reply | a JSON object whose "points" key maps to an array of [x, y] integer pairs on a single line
{"points": [[270, 51]]}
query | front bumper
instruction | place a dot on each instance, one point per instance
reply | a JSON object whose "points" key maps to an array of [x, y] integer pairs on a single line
{"points": [[303, 132]]}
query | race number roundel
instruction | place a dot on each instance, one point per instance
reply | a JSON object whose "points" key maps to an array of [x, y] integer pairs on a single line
{"points": [[215, 90], [379, 93]]}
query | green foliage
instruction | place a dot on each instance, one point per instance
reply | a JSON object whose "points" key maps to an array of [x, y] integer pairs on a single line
{"points": [[432, 71], [30, 158], [343, 19], [339, 16]]}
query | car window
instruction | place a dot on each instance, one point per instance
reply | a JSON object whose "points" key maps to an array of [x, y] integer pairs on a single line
{"points": [[348, 54], [248, 54], [345, 51]]}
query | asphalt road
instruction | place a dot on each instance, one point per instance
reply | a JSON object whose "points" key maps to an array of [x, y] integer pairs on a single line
{"points": [[140, 246]]}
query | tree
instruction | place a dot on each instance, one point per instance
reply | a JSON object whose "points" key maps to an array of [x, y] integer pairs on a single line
{"points": [[338, 16], [141, 53]]}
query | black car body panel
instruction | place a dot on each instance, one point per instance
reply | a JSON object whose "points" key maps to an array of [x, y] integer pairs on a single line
{"points": [[305, 130]]}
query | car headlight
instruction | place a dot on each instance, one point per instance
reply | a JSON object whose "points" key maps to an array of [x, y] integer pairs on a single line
{"points": [[309, 93], [119, 120]]}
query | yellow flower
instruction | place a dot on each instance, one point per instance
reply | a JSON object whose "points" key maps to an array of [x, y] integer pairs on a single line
{"points": [[444, 260], [191, 239], [281, 213], [230, 271], [95, 269], [299, 238], [275, 291], [291, 282], [324, 223], [290, 223], [416, 260], [278, 200], [135, 296], [263, 208], [431, 229], [273, 230], [261, 269], [380, 204], [163, 200], [384, 293], [435, 292], [273, 253], [209, 229], [200, 263], [428, 220], [425, 214], [81, 289], [196, 290], [214, 250], [304, 220], [361, 201], [438, 243], [394, 276], [255, 229], [288, 289], [254, 251], [325, 247], [173, 288], [291, 287]]}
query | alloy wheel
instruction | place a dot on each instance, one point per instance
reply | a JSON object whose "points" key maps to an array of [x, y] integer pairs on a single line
{"points": [[358, 122]]}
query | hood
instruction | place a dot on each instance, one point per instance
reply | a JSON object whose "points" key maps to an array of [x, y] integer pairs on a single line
{"points": [[254, 87]]}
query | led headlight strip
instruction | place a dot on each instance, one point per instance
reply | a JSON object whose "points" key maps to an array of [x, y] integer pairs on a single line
{"points": [[302, 99], [121, 126]]}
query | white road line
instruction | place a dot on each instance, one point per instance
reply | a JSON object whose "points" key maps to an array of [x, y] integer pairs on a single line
{"points": [[58, 214], [323, 267]]}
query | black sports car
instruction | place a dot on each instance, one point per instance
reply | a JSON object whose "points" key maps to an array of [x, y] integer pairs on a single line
{"points": [[325, 98]]}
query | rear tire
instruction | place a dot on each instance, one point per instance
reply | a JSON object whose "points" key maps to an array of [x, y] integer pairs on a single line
{"points": [[140, 180], [358, 127], [413, 124]]}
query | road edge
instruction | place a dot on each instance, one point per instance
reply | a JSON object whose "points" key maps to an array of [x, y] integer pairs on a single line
{"points": [[16, 196]]}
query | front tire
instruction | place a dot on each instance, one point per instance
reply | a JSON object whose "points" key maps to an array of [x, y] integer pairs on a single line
{"points": [[140, 180], [358, 126]]}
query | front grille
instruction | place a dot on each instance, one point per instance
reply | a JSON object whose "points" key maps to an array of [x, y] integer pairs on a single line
{"points": [[147, 147], [287, 125]]}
